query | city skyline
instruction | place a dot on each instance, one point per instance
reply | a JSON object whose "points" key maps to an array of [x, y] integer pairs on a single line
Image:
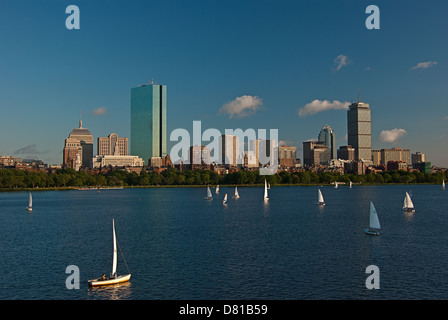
{"points": [[242, 65]]}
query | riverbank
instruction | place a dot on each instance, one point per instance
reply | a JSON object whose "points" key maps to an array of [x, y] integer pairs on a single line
{"points": [[200, 186]]}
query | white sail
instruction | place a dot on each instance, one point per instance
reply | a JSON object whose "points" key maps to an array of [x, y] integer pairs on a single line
{"points": [[237, 195], [225, 199], [320, 197], [209, 193], [30, 201], [217, 189], [265, 190], [114, 260], [374, 221], [350, 184], [443, 184], [408, 202], [336, 184]]}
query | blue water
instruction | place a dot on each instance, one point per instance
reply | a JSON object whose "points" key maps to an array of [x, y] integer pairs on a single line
{"points": [[179, 246]]}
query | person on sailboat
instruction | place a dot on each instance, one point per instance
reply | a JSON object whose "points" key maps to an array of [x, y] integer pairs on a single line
{"points": [[103, 277]]}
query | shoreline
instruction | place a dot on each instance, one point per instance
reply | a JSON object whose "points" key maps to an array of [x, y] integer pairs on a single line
{"points": [[201, 186]]}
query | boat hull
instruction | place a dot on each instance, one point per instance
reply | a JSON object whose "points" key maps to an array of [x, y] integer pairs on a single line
{"points": [[99, 282], [208, 198], [372, 232], [409, 210]]}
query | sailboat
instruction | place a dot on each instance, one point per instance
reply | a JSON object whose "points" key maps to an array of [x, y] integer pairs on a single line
{"points": [[30, 203], [224, 201], [374, 222], [217, 189], [408, 206], [320, 198], [269, 186], [350, 184], [236, 195], [335, 184], [443, 184], [209, 194], [114, 278], [266, 198]]}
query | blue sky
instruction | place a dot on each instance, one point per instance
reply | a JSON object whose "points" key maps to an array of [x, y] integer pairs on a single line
{"points": [[282, 55]]}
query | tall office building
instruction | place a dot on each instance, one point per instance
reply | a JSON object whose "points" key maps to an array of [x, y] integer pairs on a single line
{"points": [[229, 147], [199, 157], [315, 153], [286, 156], [359, 130], [418, 157], [328, 138], [148, 121], [78, 138], [346, 153], [72, 154], [112, 145]]}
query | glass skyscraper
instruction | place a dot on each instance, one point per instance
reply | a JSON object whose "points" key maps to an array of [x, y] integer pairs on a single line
{"points": [[148, 121], [328, 138], [359, 130]]}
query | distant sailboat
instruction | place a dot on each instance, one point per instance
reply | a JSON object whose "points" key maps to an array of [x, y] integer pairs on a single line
{"points": [[335, 184], [209, 194], [408, 206], [320, 198], [114, 278], [266, 198], [374, 224], [217, 189], [30, 203], [224, 201], [350, 184], [269, 186], [443, 184], [236, 195]]}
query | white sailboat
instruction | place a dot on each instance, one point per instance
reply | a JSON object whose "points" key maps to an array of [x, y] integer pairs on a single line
{"points": [[350, 184], [224, 201], [320, 198], [209, 194], [374, 223], [266, 198], [114, 278], [30, 203], [217, 189], [335, 184], [408, 206], [443, 184], [236, 195], [269, 186]]}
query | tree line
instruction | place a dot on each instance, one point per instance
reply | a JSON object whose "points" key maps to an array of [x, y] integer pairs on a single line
{"points": [[14, 178]]}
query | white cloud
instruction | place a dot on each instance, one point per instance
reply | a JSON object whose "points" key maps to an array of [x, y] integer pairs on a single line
{"points": [[99, 111], [424, 65], [241, 107], [322, 105], [341, 61], [392, 135]]}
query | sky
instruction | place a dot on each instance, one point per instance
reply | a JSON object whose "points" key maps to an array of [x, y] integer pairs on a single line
{"points": [[287, 65]]}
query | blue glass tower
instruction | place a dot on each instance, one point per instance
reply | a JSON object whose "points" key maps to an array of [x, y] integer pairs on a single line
{"points": [[148, 121]]}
